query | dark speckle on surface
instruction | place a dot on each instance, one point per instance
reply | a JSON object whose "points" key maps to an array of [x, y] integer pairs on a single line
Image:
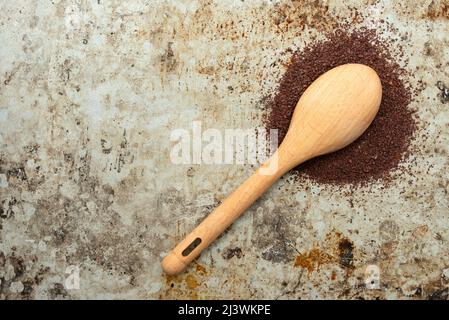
{"points": [[346, 255], [232, 252], [442, 294]]}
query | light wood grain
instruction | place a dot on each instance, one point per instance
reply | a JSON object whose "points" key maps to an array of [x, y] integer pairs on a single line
{"points": [[333, 112]]}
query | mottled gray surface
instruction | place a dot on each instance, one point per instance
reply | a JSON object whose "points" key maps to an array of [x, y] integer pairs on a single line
{"points": [[89, 93]]}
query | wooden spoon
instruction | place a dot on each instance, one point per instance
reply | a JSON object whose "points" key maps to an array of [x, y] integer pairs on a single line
{"points": [[333, 112]]}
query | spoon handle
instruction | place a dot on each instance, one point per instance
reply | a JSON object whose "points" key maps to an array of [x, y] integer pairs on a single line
{"points": [[222, 217]]}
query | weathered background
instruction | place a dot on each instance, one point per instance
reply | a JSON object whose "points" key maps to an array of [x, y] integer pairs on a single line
{"points": [[89, 93]]}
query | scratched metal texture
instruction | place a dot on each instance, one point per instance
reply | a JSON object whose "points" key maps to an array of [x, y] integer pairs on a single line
{"points": [[89, 93]]}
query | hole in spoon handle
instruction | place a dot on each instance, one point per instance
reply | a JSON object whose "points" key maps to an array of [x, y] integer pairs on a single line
{"points": [[195, 243]]}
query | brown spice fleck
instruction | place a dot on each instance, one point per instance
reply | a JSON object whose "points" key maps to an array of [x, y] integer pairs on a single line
{"points": [[385, 143]]}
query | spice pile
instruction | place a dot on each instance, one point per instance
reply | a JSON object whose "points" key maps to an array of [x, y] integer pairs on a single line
{"points": [[380, 149]]}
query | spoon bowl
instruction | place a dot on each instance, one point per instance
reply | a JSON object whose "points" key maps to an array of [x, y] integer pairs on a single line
{"points": [[333, 112]]}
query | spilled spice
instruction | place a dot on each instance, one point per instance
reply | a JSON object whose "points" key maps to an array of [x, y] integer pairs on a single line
{"points": [[385, 143]]}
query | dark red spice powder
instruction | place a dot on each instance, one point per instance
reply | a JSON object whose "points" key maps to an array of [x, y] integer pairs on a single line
{"points": [[385, 143]]}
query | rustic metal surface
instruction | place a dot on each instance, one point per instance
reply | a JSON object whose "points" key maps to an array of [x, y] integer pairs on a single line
{"points": [[89, 93]]}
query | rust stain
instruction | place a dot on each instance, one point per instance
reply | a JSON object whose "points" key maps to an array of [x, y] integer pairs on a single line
{"points": [[168, 60], [420, 231], [297, 14], [184, 286], [208, 70], [333, 275], [191, 282], [438, 10], [201, 270], [312, 260], [171, 279], [336, 248]]}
